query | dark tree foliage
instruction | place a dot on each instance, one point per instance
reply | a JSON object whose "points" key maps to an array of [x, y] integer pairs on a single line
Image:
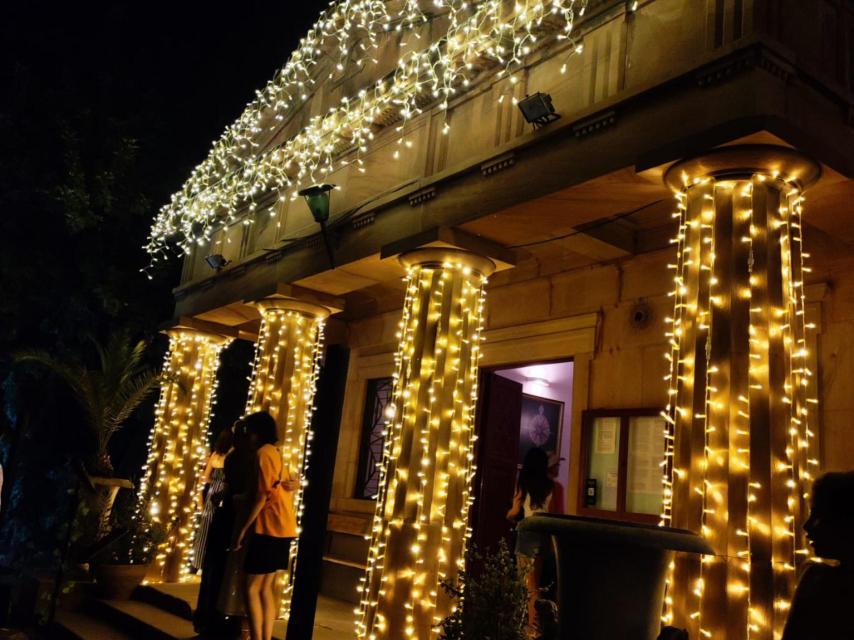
{"points": [[105, 109]]}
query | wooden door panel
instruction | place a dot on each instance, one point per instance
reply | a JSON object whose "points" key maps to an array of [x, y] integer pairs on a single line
{"points": [[499, 418]]}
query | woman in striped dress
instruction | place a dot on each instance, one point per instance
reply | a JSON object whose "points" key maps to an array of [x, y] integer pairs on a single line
{"points": [[210, 494]]}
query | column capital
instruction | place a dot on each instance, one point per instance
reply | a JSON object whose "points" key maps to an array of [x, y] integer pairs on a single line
{"points": [[445, 257], [742, 161], [449, 238], [308, 309], [290, 297], [214, 333]]}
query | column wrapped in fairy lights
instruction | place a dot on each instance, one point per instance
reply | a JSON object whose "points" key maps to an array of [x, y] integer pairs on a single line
{"points": [[284, 377], [740, 441], [420, 529], [178, 445]]}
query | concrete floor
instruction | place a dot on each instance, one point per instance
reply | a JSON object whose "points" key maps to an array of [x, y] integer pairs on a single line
{"points": [[333, 620]]}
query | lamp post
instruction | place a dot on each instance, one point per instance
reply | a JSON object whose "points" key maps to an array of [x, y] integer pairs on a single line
{"points": [[317, 199]]}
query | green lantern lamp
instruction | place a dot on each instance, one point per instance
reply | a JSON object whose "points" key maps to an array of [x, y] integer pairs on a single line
{"points": [[317, 198]]}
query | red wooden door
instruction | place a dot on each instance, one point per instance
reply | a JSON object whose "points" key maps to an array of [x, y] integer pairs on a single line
{"points": [[499, 419]]}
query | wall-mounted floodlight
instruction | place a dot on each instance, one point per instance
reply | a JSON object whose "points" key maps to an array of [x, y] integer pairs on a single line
{"points": [[538, 109], [216, 261], [317, 199]]}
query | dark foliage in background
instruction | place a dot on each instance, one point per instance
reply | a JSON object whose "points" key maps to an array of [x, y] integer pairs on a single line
{"points": [[105, 109]]}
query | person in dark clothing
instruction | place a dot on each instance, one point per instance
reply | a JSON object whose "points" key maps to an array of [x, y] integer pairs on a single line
{"points": [[240, 480], [207, 619], [823, 606], [534, 494]]}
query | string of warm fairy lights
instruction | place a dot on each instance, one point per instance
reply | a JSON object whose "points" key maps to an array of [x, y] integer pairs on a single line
{"points": [[482, 38], [178, 445], [283, 382], [675, 337], [420, 527], [739, 449]]}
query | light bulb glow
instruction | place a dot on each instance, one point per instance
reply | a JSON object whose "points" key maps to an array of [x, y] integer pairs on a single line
{"points": [[178, 446], [420, 530], [738, 438]]}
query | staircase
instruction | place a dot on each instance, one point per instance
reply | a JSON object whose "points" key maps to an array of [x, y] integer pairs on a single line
{"points": [[158, 612], [344, 561], [165, 611]]}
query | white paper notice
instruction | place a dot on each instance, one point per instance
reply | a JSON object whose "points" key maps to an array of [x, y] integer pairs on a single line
{"points": [[606, 435]]}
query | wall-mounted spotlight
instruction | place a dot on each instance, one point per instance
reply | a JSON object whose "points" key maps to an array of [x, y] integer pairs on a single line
{"points": [[216, 261], [631, 6], [317, 199], [538, 109]]}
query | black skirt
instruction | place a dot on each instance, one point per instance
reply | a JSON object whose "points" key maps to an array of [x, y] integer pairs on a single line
{"points": [[266, 554]]}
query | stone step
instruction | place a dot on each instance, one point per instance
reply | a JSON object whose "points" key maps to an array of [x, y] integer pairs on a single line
{"points": [[75, 625], [347, 562], [347, 545], [179, 599], [340, 578], [358, 524], [141, 620]]}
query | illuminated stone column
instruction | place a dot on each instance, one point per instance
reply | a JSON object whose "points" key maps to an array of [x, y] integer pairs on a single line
{"points": [[420, 529], [283, 383], [178, 444], [740, 446]]}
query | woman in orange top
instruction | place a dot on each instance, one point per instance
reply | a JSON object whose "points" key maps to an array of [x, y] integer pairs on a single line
{"points": [[273, 525]]}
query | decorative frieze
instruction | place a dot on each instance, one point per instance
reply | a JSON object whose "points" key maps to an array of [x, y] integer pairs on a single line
{"points": [[499, 163], [594, 123]]}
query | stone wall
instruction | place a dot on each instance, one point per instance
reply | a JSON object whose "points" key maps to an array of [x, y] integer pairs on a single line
{"points": [[625, 365]]}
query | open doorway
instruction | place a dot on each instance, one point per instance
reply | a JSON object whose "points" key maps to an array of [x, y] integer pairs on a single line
{"points": [[520, 407]]}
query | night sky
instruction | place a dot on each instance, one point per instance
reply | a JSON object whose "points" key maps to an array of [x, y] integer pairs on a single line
{"points": [[182, 70], [82, 81], [170, 76]]}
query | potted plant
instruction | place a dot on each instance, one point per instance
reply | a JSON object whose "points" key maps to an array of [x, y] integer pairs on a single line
{"points": [[123, 562], [107, 394]]}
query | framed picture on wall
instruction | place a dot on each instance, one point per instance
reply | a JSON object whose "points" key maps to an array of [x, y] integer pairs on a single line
{"points": [[541, 425]]}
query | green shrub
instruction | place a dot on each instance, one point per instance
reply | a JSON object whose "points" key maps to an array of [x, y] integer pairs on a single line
{"points": [[491, 599]]}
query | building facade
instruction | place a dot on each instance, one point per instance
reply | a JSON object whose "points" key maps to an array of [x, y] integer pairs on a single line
{"points": [[467, 241]]}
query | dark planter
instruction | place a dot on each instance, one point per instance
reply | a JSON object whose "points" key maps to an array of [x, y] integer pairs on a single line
{"points": [[611, 575], [118, 581]]}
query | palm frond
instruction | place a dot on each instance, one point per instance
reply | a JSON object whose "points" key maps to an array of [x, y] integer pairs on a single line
{"points": [[111, 392], [130, 396], [135, 361], [69, 373], [78, 379]]}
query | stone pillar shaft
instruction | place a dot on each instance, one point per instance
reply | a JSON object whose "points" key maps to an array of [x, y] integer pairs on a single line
{"points": [[178, 445], [284, 377], [741, 452], [420, 529]]}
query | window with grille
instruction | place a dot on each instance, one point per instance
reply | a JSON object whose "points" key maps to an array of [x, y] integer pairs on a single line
{"points": [[378, 397]]}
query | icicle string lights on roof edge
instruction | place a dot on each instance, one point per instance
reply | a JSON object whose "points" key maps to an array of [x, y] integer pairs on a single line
{"points": [[283, 382], [741, 451], [238, 170], [178, 445]]}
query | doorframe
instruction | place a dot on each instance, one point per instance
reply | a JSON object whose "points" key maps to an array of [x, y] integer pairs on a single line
{"points": [[569, 338], [484, 371]]}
